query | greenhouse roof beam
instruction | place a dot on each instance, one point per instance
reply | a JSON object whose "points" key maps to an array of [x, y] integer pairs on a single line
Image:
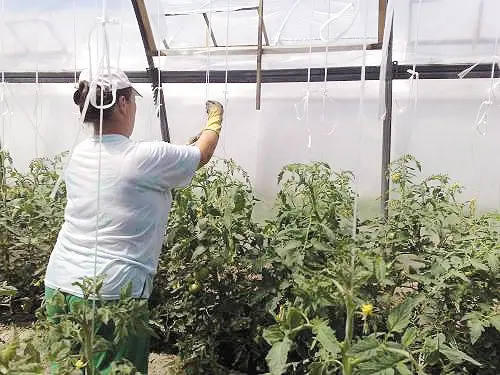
{"points": [[250, 49], [387, 128], [148, 40], [198, 11], [350, 73], [209, 29], [267, 50]]}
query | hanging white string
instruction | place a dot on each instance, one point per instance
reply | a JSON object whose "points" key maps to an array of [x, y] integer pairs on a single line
{"points": [[91, 97], [4, 110], [324, 94], [352, 5], [226, 64], [74, 43], [208, 41], [305, 100], [413, 80], [36, 119], [75, 78], [284, 22], [36, 112], [120, 39], [29, 116], [481, 122], [105, 58], [361, 111], [158, 89]]}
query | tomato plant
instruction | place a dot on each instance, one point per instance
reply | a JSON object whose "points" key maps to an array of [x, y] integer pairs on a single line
{"points": [[30, 221], [212, 287], [310, 290]]}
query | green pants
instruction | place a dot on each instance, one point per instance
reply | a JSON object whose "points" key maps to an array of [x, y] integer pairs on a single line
{"points": [[135, 349]]}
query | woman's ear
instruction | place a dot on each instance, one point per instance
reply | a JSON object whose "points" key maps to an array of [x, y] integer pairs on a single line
{"points": [[122, 103]]}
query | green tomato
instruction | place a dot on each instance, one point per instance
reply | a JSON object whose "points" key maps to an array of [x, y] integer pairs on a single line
{"points": [[8, 352], [202, 273], [194, 288]]}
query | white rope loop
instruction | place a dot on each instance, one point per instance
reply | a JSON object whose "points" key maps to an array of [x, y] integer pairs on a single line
{"points": [[481, 120], [352, 5], [92, 94]]}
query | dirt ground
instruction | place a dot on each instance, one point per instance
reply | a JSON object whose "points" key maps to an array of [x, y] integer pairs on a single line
{"points": [[159, 363]]}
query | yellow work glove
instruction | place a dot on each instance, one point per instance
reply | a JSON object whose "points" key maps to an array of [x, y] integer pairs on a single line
{"points": [[214, 120]]}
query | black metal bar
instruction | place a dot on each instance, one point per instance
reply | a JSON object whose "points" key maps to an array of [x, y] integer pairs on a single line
{"points": [[264, 31], [152, 70], [258, 77], [209, 28], [349, 73], [213, 11], [387, 131]]}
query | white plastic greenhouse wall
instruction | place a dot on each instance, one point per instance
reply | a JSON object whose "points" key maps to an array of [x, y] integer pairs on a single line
{"points": [[338, 122]]}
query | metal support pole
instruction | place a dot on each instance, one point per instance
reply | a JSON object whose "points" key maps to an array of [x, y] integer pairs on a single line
{"points": [[210, 30], [387, 130], [259, 56], [149, 47]]}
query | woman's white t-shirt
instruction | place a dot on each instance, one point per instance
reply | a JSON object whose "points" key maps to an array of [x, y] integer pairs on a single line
{"points": [[114, 225]]}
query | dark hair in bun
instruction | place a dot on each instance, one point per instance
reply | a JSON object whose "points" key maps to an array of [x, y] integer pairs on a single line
{"points": [[93, 114]]}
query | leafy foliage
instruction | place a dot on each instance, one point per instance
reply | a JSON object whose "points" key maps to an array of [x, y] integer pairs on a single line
{"points": [[311, 291], [68, 341], [213, 283], [29, 221], [430, 270]]}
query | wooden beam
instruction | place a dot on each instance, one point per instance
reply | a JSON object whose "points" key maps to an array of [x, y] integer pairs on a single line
{"points": [[148, 40], [382, 11], [145, 27], [238, 50]]}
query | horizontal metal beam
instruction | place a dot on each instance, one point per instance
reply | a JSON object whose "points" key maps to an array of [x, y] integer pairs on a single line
{"points": [[350, 73], [241, 50], [203, 10]]}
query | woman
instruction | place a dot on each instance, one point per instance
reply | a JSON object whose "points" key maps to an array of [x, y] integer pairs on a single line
{"points": [[118, 200]]}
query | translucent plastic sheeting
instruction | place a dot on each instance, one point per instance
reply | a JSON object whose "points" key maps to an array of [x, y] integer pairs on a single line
{"points": [[445, 31], [298, 23], [286, 22], [261, 142], [440, 131], [54, 35], [47, 124]]}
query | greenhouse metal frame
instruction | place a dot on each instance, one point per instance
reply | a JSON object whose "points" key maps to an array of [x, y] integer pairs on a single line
{"points": [[394, 70]]}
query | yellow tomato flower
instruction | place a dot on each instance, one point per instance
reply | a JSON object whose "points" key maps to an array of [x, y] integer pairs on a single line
{"points": [[367, 309], [281, 314], [80, 364], [396, 177]]}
